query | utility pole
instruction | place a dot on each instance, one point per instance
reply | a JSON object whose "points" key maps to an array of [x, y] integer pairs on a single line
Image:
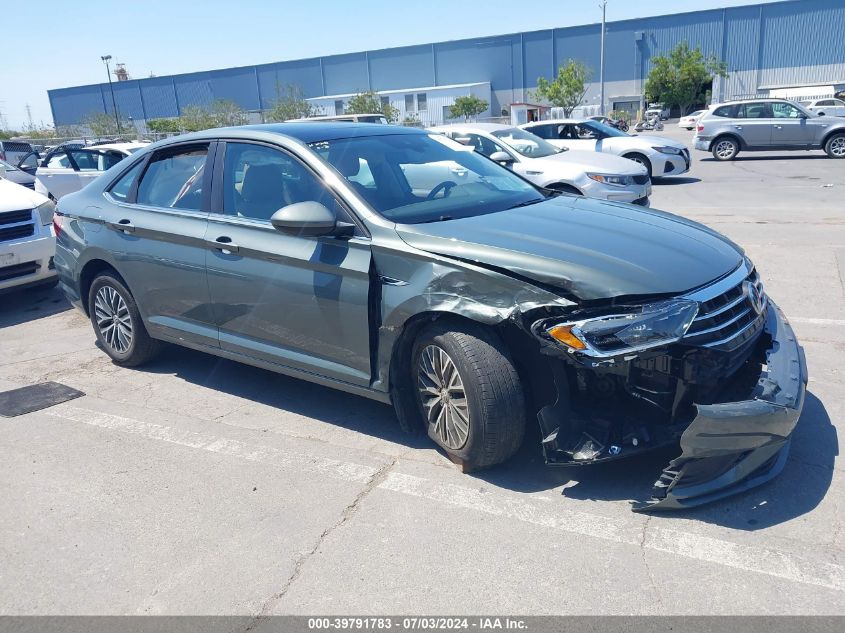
{"points": [[601, 63], [29, 117], [106, 59]]}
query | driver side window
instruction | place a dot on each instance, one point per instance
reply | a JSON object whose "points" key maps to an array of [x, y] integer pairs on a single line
{"points": [[259, 180], [785, 111]]}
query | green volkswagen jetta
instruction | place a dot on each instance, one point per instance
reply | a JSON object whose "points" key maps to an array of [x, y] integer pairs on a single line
{"points": [[399, 265]]}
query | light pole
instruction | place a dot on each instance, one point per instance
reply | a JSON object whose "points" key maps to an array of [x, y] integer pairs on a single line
{"points": [[601, 62], [106, 59]]}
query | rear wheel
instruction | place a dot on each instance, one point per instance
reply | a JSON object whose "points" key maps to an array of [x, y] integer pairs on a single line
{"points": [[835, 146], [641, 159], [468, 393], [117, 322], [725, 148]]}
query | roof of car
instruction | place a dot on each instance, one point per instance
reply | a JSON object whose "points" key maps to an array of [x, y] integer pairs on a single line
{"points": [[311, 131], [559, 121], [119, 146], [482, 127]]}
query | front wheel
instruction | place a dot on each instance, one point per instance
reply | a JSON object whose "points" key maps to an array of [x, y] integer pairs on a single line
{"points": [[468, 393], [725, 149], [835, 146], [117, 322]]}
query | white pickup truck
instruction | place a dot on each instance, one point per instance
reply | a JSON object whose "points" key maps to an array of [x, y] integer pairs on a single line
{"points": [[27, 240]]}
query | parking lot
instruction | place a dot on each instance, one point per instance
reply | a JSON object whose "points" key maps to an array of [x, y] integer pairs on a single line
{"points": [[198, 485]]}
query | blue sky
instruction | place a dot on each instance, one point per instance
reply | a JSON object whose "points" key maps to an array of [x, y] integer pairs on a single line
{"points": [[58, 43]]}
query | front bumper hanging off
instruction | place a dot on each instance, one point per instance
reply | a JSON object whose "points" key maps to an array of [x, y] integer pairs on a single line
{"points": [[728, 447], [731, 447]]}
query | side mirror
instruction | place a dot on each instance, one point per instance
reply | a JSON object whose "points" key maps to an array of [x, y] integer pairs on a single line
{"points": [[305, 218], [503, 158], [801, 115]]}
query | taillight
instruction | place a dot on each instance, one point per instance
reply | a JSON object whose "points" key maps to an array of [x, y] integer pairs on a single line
{"points": [[2, 155], [57, 224], [699, 128]]}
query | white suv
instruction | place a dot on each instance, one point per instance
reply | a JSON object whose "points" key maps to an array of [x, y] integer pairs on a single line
{"points": [[27, 240]]}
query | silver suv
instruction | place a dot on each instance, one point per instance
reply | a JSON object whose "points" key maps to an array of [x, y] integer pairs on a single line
{"points": [[767, 125]]}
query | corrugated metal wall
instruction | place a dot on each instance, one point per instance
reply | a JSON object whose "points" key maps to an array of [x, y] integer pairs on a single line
{"points": [[776, 44]]}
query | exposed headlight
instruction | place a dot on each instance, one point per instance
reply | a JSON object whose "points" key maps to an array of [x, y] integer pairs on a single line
{"points": [[667, 150], [620, 181], [641, 328], [45, 212]]}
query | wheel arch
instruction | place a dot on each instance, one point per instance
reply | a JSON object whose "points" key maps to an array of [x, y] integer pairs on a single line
{"points": [[832, 133], [729, 135], [89, 272]]}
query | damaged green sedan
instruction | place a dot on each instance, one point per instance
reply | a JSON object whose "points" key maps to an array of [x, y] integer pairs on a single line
{"points": [[395, 264]]}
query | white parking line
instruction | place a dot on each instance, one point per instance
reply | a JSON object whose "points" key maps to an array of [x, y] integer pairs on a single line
{"points": [[814, 321], [337, 469], [529, 509]]}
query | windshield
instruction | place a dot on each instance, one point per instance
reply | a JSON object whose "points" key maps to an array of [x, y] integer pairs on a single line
{"points": [[605, 130], [526, 143], [416, 178]]}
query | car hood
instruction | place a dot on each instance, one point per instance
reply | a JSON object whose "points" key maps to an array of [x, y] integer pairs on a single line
{"points": [[590, 249], [597, 161], [14, 197]]}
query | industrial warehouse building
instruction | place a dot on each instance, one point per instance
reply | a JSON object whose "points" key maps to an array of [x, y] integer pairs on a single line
{"points": [[793, 48]]}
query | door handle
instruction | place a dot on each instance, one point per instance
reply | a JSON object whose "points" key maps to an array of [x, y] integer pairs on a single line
{"points": [[778, 127], [123, 225], [224, 243], [737, 127]]}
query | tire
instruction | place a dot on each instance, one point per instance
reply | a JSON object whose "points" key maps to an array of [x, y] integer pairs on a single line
{"points": [[725, 148], [117, 322], [835, 145], [641, 159], [487, 425]]}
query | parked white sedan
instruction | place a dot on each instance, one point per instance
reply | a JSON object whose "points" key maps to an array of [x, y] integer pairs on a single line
{"points": [[826, 107], [660, 156], [688, 122], [587, 173], [64, 171]]}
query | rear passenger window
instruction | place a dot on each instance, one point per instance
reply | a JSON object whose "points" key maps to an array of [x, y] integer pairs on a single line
{"points": [[724, 111], [174, 179], [120, 190]]}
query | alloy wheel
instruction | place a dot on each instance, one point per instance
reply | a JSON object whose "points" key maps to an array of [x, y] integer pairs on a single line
{"points": [[725, 149], [837, 146], [443, 397], [113, 319]]}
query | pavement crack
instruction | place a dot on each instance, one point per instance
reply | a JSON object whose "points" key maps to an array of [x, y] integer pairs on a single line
{"points": [[348, 512], [644, 555]]}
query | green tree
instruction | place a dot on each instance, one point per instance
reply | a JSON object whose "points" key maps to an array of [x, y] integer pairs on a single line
{"points": [[467, 106], [225, 113], [681, 77], [370, 103], [103, 124], [567, 90], [164, 125], [290, 104]]}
